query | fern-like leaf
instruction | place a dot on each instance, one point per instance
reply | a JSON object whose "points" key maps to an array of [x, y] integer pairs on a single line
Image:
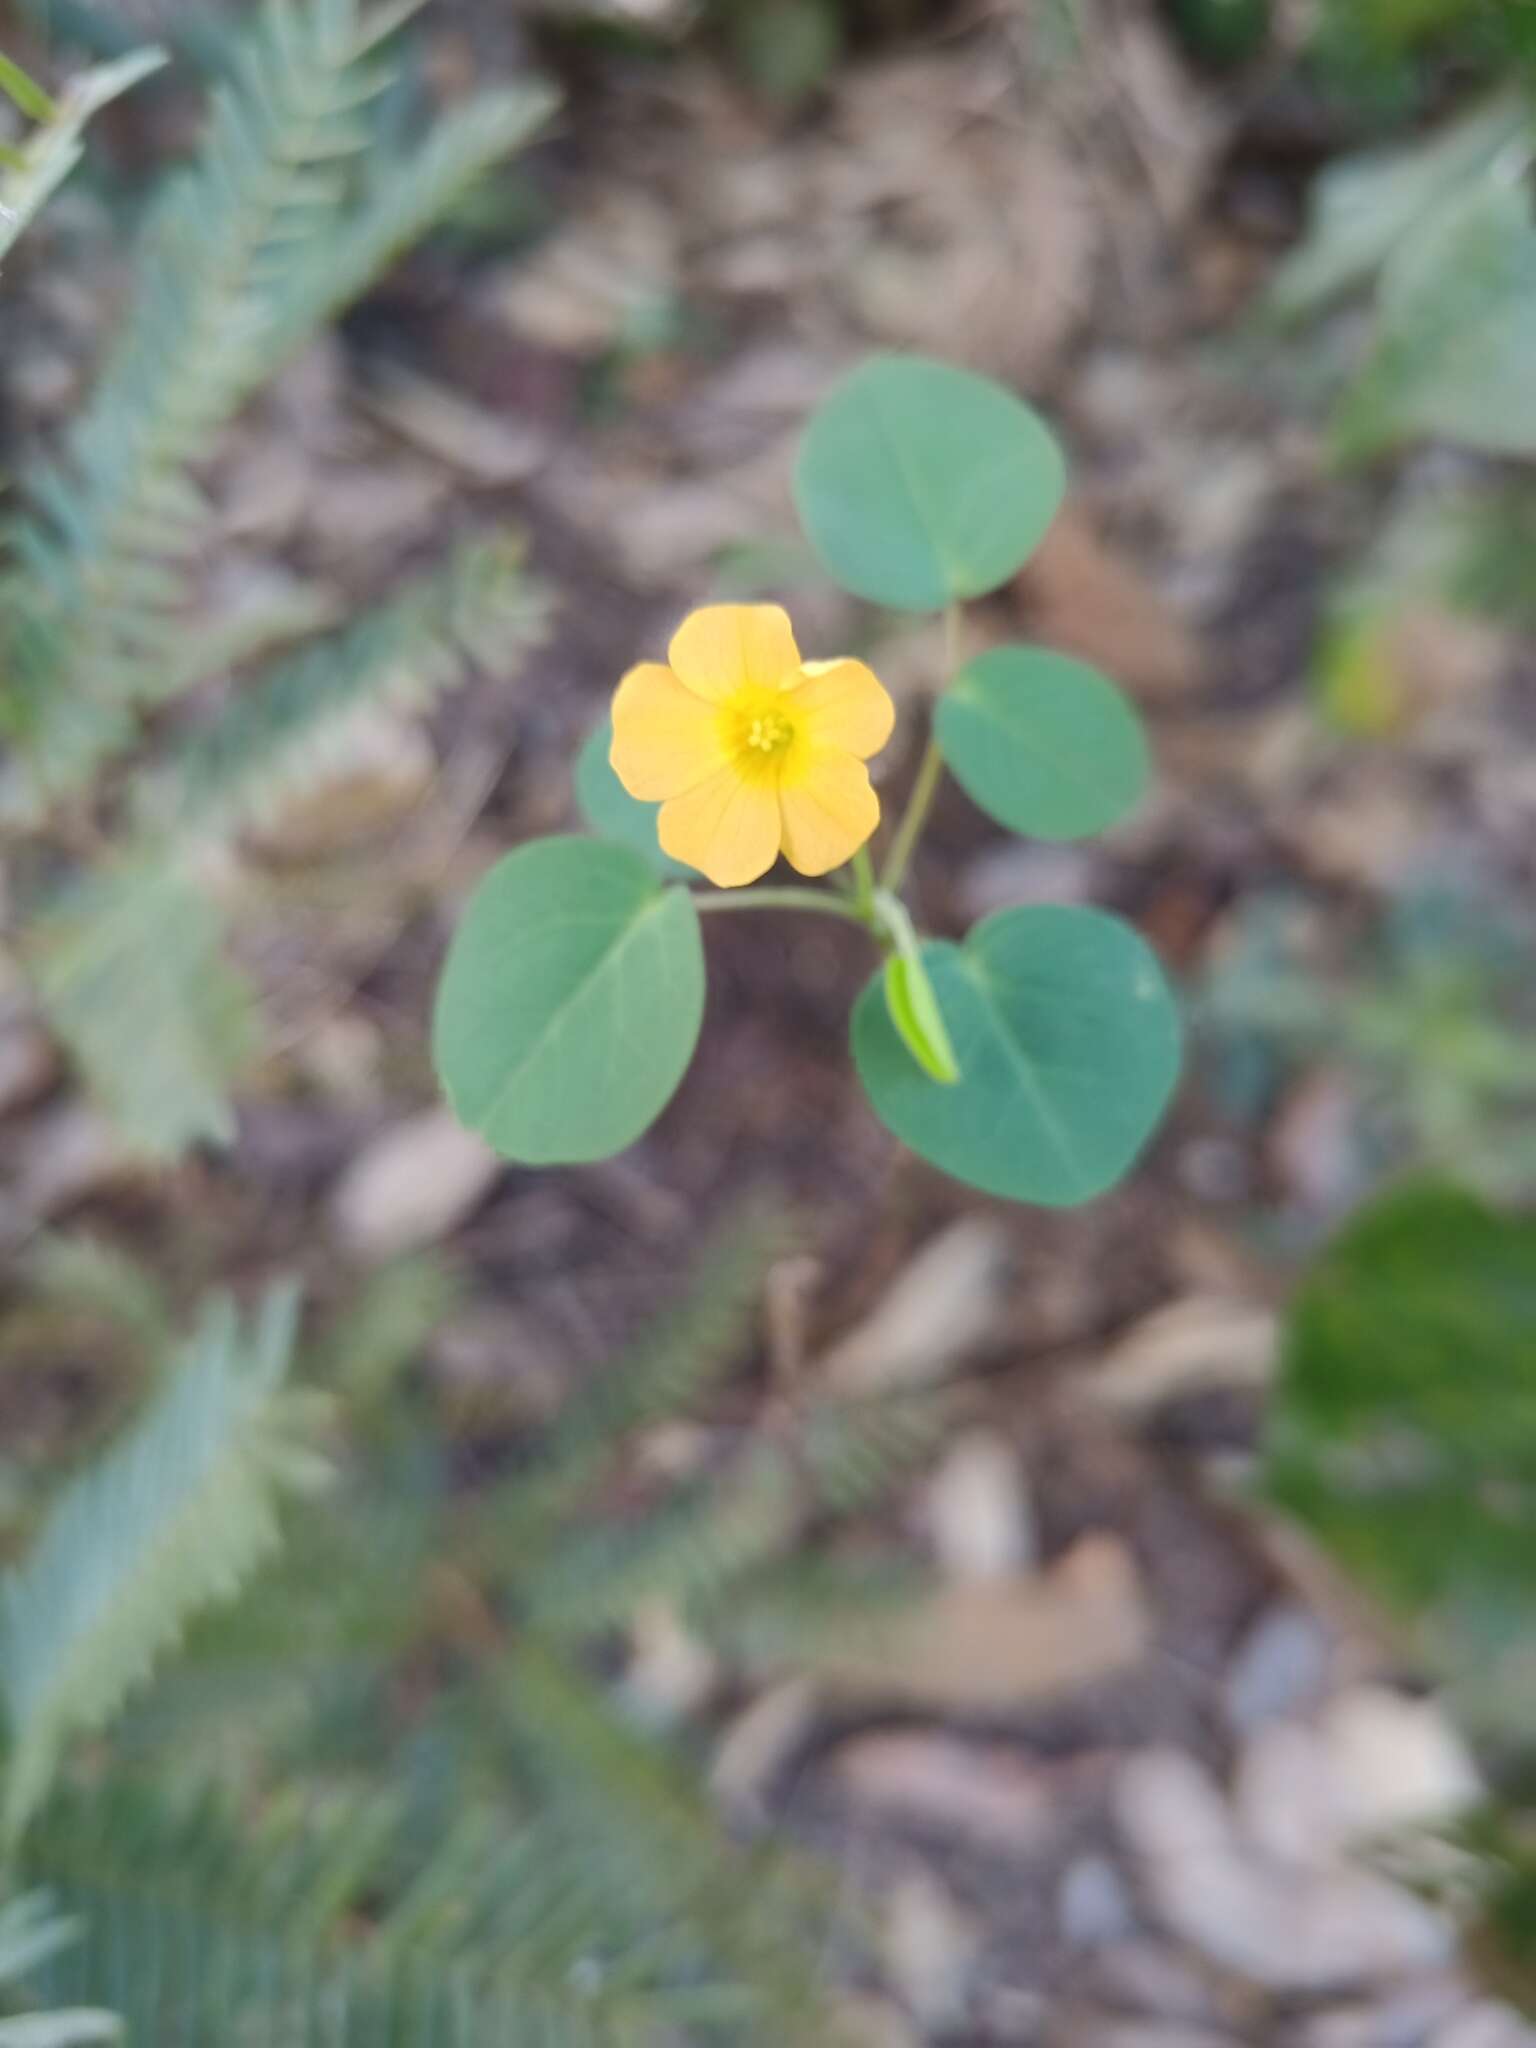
{"points": [[330, 1924], [33, 172], [683, 1352], [129, 966], [87, 1274], [279, 732], [252, 250], [175, 1516], [739, 1916], [32, 1933], [130, 972], [855, 1451], [404, 199], [691, 1547]]}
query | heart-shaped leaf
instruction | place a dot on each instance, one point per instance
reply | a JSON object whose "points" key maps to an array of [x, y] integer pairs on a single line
{"points": [[570, 1003], [612, 812], [1067, 1042], [1043, 743], [919, 484]]}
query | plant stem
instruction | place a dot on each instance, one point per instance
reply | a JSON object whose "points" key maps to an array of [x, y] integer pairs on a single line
{"points": [[821, 900], [930, 768], [864, 881]]}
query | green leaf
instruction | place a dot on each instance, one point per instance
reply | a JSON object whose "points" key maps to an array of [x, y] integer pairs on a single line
{"points": [[1366, 206], [1068, 1047], [571, 1002], [1221, 33], [1457, 334], [787, 48], [42, 162], [909, 998], [1403, 1434], [175, 1517], [1044, 744], [68, 2028], [130, 969], [914, 1010], [612, 812], [24, 92], [919, 484]]}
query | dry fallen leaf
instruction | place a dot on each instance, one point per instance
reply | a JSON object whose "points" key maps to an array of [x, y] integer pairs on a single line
{"points": [[921, 1775], [988, 1646], [977, 1510], [944, 1304], [1184, 1347], [487, 447], [759, 1742], [411, 1186]]}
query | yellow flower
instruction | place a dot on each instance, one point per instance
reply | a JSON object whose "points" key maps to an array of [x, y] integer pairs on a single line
{"points": [[749, 750]]}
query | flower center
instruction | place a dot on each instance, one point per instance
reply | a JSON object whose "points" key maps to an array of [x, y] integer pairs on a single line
{"points": [[769, 732], [759, 732]]}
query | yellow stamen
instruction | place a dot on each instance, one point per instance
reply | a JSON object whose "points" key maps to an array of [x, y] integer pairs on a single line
{"points": [[759, 731], [771, 733]]}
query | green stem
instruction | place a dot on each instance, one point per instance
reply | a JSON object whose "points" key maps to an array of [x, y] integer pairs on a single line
{"points": [[820, 900], [930, 768], [864, 881]]}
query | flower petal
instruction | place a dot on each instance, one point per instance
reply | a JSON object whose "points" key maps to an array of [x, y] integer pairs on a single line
{"points": [[665, 739], [844, 705], [727, 828], [729, 647], [828, 812]]}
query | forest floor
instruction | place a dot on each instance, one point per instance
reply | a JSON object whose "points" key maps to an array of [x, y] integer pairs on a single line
{"points": [[1146, 1842]]}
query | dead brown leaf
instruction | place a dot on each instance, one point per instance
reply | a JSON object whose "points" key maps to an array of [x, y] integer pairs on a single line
{"points": [[946, 1302], [988, 1646], [1184, 1347]]}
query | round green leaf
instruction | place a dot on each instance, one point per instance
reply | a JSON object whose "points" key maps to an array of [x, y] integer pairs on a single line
{"points": [[1043, 743], [918, 484], [570, 1003], [612, 812], [1067, 1043]]}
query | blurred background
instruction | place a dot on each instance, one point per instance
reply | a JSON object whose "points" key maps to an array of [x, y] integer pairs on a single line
{"points": [[756, 1588]]}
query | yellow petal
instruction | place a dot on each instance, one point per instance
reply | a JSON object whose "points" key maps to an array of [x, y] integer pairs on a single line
{"points": [[844, 706], [829, 810], [665, 739], [729, 647], [727, 828]]}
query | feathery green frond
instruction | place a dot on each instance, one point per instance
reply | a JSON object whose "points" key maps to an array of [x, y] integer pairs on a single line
{"points": [[32, 171], [685, 1350], [694, 1545], [855, 1451], [741, 1918], [176, 1515], [278, 733], [500, 1857], [32, 1933], [87, 1274], [253, 249], [335, 1924], [130, 972], [129, 966], [405, 199], [799, 1607], [384, 1329]]}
